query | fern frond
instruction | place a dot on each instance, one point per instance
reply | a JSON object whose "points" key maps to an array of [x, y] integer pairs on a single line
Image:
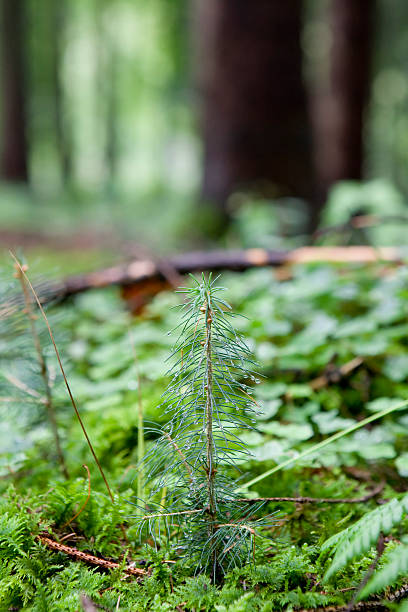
{"points": [[403, 607], [359, 538], [396, 566], [13, 533]]}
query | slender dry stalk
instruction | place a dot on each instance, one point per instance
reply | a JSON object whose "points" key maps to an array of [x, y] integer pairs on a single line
{"points": [[140, 429], [178, 451], [52, 417], [71, 397]]}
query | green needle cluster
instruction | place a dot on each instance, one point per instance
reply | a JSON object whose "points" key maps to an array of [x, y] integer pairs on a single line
{"points": [[189, 468]]}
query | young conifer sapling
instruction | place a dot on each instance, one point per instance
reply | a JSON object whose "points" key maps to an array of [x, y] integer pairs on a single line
{"points": [[189, 468]]}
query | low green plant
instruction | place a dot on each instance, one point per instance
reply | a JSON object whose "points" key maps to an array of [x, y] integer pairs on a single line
{"points": [[359, 538], [27, 375], [189, 468], [338, 440]]}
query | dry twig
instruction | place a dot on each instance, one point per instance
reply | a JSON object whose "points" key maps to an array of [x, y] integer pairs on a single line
{"points": [[320, 500], [87, 558], [333, 374]]}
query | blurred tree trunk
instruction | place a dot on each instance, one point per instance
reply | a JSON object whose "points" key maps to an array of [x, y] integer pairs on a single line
{"points": [[255, 120], [13, 162], [111, 117], [108, 87], [61, 131], [339, 112]]}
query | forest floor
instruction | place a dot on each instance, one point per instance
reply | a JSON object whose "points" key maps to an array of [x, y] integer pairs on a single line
{"points": [[331, 346]]}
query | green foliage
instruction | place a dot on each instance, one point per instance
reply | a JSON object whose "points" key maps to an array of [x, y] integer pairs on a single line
{"points": [[359, 538], [28, 375], [198, 591], [394, 567], [403, 607], [353, 312], [350, 198], [209, 401]]}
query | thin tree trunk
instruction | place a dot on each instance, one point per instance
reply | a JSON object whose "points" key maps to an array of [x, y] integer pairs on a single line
{"points": [[254, 113], [62, 137], [339, 112], [108, 76], [13, 162], [112, 116]]}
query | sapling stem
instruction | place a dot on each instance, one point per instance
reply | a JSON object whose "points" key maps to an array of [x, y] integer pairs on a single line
{"points": [[211, 467], [140, 488], [209, 405], [140, 441]]}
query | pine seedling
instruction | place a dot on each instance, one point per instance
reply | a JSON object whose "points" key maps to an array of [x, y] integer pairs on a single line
{"points": [[44, 371], [26, 379], [209, 402]]}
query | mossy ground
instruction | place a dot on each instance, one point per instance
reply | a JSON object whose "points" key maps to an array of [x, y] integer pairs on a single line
{"points": [[321, 315]]}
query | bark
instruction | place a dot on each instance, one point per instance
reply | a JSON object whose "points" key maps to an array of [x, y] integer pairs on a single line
{"points": [[13, 162], [254, 113], [339, 113], [155, 274], [112, 117], [63, 140]]}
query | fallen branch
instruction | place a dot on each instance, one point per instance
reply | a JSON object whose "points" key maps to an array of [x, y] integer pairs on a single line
{"points": [[362, 606], [370, 571], [319, 500], [78, 554], [142, 271], [360, 222], [334, 375], [378, 605]]}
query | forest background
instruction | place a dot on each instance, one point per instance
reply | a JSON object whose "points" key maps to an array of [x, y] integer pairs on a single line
{"points": [[130, 131], [114, 112]]}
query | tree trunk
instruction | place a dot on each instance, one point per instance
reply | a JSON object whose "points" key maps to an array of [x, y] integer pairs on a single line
{"points": [[62, 133], [339, 113], [112, 117], [13, 162], [254, 113]]}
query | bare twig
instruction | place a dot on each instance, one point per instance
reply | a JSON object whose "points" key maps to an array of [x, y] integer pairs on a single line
{"points": [[163, 515], [333, 374], [380, 549], [78, 554], [360, 222], [138, 272], [73, 402], [362, 606], [176, 448], [67, 536], [237, 526], [319, 500]]}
